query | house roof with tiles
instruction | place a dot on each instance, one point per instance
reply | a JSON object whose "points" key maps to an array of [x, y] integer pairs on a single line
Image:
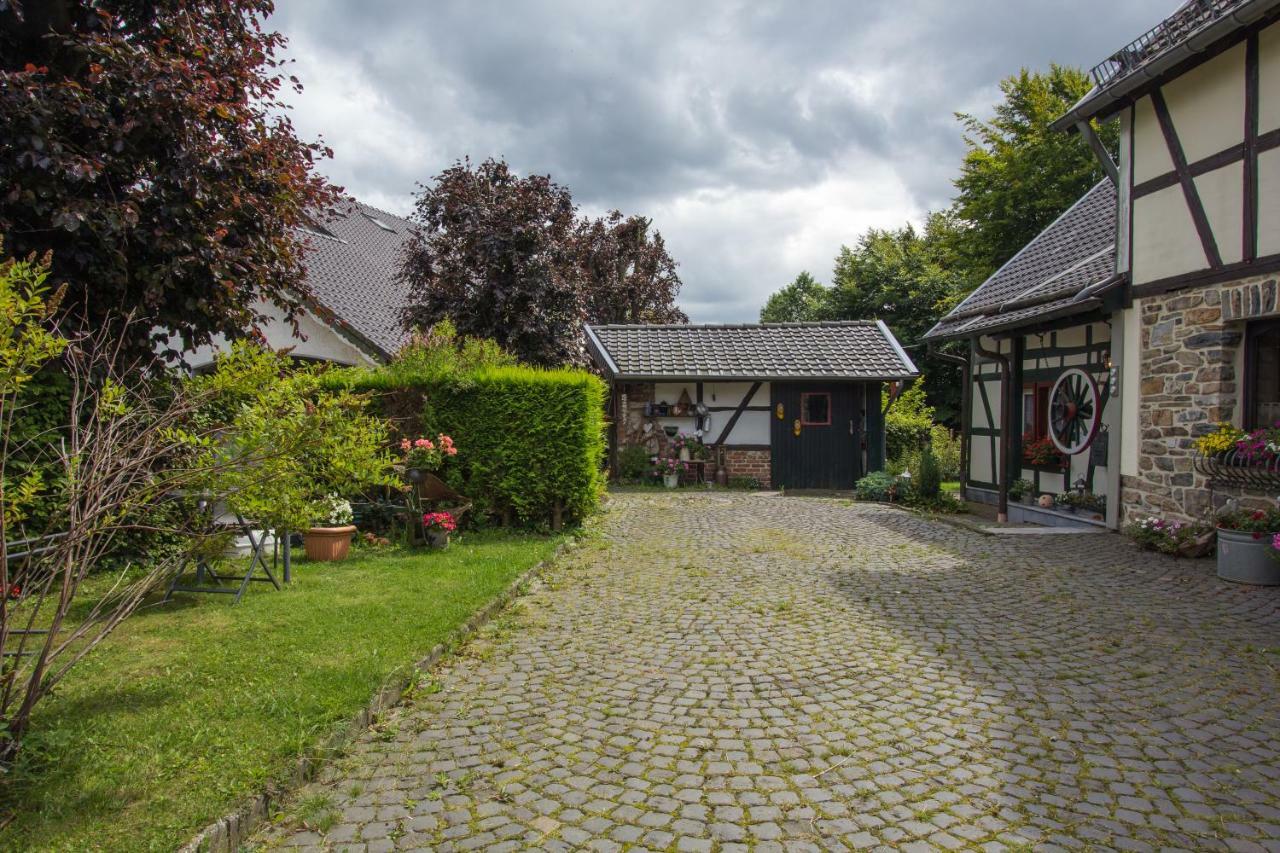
{"points": [[1061, 272], [857, 350], [351, 262]]}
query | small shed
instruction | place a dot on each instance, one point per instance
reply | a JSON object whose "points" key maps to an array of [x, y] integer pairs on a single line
{"points": [[795, 405]]}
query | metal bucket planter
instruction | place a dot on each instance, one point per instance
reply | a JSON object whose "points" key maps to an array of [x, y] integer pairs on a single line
{"points": [[328, 544], [671, 480], [1243, 559], [437, 538]]}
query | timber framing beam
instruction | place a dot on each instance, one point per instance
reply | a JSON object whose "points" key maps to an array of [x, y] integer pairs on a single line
{"points": [[742, 407], [1189, 191]]}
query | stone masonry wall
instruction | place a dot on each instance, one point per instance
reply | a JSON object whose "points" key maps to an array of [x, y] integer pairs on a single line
{"points": [[748, 463], [1190, 339]]}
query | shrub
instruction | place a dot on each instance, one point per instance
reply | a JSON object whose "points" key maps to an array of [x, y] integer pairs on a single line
{"points": [[908, 423], [926, 477], [875, 486], [633, 463], [744, 481], [529, 439], [946, 447], [1019, 489]]}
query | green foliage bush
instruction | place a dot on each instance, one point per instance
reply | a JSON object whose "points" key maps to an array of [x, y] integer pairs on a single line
{"points": [[946, 447], [528, 439], [926, 476], [875, 486], [633, 463], [908, 423]]}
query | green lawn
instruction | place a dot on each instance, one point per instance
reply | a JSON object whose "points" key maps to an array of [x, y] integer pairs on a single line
{"points": [[192, 705], [951, 486]]}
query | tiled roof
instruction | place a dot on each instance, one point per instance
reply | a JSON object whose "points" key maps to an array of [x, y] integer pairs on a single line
{"points": [[351, 265], [863, 349], [1045, 278]]}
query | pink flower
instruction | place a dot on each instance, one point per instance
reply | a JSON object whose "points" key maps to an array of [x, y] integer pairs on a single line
{"points": [[405, 445], [424, 443], [1275, 541]]}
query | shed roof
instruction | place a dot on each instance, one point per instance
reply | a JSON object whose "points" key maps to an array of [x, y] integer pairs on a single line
{"points": [[1056, 274], [855, 350]]}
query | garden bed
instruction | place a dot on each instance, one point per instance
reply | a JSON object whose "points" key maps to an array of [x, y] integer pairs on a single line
{"points": [[192, 706]]}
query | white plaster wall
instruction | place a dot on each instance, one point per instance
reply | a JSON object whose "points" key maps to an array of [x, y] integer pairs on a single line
{"points": [[1207, 104], [1269, 202], [1222, 194], [1269, 78], [1165, 241], [321, 342], [751, 428], [1150, 153]]}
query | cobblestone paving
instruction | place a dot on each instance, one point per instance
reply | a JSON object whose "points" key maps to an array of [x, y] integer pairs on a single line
{"points": [[755, 672]]}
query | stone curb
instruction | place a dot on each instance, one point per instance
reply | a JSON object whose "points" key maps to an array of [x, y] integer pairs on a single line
{"points": [[228, 833]]}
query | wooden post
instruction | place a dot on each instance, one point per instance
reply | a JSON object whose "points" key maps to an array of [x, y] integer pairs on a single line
{"points": [[557, 516], [614, 429]]}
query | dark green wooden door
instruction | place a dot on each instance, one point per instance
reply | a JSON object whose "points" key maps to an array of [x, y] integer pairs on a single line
{"points": [[817, 441]]}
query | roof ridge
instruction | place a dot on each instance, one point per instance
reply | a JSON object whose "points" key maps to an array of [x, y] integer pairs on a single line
{"points": [[796, 325]]}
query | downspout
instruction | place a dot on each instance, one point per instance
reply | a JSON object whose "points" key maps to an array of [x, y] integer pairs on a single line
{"points": [[1006, 423]]}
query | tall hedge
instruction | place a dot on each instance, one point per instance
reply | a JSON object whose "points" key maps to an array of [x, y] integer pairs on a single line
{"points": [[529, 440]]}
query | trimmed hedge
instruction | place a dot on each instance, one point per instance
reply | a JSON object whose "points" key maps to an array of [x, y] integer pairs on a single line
{"points": [[529, 440]]}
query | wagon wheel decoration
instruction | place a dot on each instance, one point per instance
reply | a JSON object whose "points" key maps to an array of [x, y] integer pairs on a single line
{"points": [[1075, 411]]}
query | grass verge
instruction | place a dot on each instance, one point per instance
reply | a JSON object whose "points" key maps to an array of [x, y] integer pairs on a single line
{"points": [[193, 705]]}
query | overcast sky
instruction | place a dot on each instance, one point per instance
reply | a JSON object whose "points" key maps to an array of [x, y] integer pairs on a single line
{"points": [[758, 136]]}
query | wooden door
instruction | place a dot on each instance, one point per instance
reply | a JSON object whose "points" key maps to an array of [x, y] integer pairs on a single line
{"points": [[816, 435]]}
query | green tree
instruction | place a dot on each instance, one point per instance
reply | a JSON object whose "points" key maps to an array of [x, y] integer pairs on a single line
{"points": [[803, 300], [1018, 175], [908, 279]]}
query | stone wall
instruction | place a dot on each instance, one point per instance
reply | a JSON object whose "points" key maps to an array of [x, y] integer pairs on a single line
{"points": [[749, 463], [1190, 341]]}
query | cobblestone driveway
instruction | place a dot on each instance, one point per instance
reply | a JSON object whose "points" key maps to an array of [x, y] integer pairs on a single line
{"points": [[724, 672]]}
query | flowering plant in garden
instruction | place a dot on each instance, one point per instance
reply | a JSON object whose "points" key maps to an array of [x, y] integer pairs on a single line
{"points": [[427, 454], [338, 512], [1259, 522], [1040, 451], [1180, 538], [1224, 438], [669, 465], [439, 521]]}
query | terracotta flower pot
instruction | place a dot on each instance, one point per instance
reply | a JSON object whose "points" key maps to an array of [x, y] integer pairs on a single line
{"points": [[327, 544]]}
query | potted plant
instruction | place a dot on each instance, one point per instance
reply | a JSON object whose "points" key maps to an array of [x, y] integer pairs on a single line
{"points": [[422, 455], [1225, 438], [1065, 502], [1041, 453], [331, 539], [1176, 538], [1022, 490], [669, 469], [1247, 544], [438, 526]]}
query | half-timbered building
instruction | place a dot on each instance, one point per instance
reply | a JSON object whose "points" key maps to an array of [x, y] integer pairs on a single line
{"points": [[794, 405], [1148, 312]]}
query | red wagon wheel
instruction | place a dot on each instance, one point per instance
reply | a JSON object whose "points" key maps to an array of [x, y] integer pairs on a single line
{"points": [[1075, 411]]}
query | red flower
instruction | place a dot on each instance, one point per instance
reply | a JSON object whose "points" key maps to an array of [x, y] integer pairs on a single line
{"points": [[1258, 515]]}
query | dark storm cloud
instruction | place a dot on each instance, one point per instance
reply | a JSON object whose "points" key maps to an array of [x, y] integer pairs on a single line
{"points": [[760, 136]]}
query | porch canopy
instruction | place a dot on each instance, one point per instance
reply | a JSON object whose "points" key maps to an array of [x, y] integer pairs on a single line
{"points": [[855, 351]]}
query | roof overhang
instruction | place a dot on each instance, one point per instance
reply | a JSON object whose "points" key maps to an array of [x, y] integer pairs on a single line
{"points": [[789, 377], [1104, 101]]}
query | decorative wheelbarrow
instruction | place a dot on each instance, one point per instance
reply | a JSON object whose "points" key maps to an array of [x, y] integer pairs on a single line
{"points": [[433, 495]]}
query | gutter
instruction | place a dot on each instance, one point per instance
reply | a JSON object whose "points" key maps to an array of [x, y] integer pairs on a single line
{"points": [[1100, 102]]}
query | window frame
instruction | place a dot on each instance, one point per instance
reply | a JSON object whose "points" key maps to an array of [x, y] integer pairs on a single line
{"points": [[1249, 392], [1039, 392], [804, 410]]}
